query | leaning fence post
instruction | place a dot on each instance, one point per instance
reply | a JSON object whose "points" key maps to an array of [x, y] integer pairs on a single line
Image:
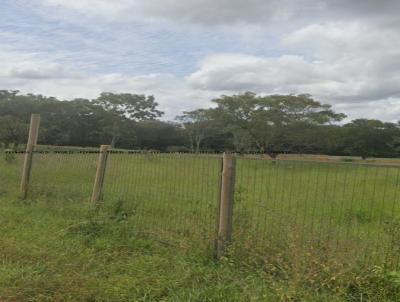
{"points": [[226, 204], [100, 172], [30, 147]]}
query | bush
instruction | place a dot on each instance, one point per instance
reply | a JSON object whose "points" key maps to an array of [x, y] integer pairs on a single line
{"points": [[348, 160], [377, 284], [9, 156], [177, 149]]}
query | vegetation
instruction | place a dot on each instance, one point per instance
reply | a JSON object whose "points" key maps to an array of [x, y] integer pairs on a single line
{"points": [[243, 123], [297, 226]]}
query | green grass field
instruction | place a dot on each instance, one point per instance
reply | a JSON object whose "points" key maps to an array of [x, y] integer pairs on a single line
{"points": [[302, 231]]}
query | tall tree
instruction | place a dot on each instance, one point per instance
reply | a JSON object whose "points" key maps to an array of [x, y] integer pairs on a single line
{"points": [[365, 137], [197, 124], [158, 135], [12, 131], [123, 107], [263, 118], [136, 107]]}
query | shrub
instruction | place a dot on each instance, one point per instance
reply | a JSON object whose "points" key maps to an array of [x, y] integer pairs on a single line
{"points": [[348, 159], [9, 156], [174, 149]]}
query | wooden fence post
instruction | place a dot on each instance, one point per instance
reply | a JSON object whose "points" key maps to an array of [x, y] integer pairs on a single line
{"points": [[30, 147], [101, 170], [226, 204]]}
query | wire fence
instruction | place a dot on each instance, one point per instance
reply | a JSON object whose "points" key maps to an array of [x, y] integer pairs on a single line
{"points": [[63, 175], [170, 193], [306, 208], [282, 208]]}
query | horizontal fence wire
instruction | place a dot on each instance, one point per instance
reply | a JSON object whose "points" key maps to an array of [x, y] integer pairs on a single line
{"points": [[346, 212], [349, 212], [10, 173], [168, 194], [63, 175]]}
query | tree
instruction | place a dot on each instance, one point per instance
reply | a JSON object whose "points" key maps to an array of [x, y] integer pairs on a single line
{"points": [[132, 106], [12, 131], [122, 107], [158, 135], [303, 137], [243, 122], [263, 118], [197, 124], [367, 137]]}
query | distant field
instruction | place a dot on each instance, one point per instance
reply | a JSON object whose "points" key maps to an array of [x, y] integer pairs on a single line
{"points": [[332, 158], [296, 217], [301, 157]]}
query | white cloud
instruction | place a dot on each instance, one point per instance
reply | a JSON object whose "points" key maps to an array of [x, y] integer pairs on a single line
{"points": [[27, 70], [343, 52], [237, 72], [342, 62], [111, 10], [352, 65], [333, 40], [217, 74], [29, 73]]}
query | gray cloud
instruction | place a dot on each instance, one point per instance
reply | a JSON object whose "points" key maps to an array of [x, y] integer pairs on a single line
{"points": [[267, 12], [343, 52], [341, 62], [229, 12]]}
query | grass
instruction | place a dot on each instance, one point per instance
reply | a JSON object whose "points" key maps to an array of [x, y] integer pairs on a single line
{"points": [[297, 227]]}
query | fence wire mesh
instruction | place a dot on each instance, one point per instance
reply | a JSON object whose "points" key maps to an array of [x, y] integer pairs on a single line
{"points": [[281, 207], [169, 193], [10, 173], [66, 175], [305, 208]]}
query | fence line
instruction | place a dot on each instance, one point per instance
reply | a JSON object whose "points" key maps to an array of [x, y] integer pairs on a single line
{"points": [[297, 207]]}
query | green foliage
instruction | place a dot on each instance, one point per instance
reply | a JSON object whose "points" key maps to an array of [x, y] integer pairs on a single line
{"points": [[265, 118], [117, 119], [244, 123], [198, 125], [150, 239], [132, 106], [69, 252], [9, 156], [371, 138], [178, 149], [376, 284], [13, 130]]}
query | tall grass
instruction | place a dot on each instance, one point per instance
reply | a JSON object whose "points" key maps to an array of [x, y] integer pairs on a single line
{"points": [[299, 226]]}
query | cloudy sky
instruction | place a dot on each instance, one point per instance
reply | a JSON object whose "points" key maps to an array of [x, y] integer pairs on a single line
{"points": [[185, 52]]}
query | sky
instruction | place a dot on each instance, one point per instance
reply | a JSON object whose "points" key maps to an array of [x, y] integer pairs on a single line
{"points": [[187, 52]]}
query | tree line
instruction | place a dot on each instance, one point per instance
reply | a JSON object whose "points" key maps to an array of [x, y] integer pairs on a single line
{"points": [[242, 123]]}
